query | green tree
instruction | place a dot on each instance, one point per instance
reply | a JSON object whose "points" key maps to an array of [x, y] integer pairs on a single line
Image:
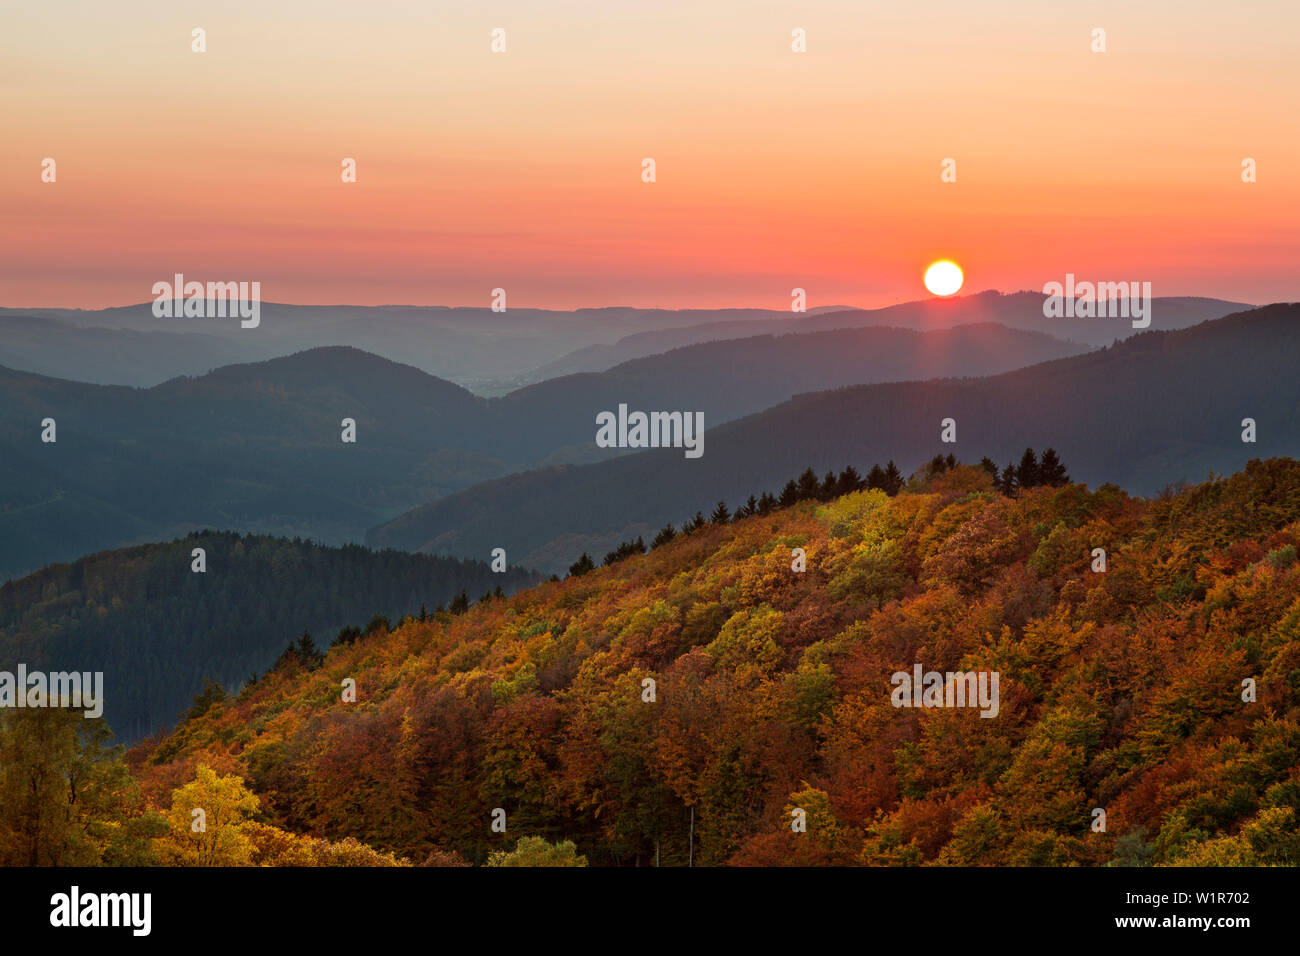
{"points": [[66, 798], [535, 851]]}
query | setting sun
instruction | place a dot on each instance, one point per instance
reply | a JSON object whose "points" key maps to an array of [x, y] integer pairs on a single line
{"points": [[943, 277]]}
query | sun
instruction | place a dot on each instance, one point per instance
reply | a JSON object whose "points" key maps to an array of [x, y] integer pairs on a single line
{"points": [[943, 277]]}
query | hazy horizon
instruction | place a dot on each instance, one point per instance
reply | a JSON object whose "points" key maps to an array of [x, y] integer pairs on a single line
{"points": [[920, 297]]}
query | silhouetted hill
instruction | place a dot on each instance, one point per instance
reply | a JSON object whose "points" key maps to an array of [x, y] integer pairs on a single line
{"points": [[728, 379], [474, 347], [254, 448], [1020, 310], [1159, 408], [257, 447], [488, 352]]}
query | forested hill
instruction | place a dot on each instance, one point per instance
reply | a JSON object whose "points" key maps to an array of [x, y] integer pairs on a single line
{"points": [[712, 686], [158, 629]]}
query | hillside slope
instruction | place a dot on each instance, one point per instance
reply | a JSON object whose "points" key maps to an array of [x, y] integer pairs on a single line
{"points": [[728, 379], [158, 630], [249, 447], [710, 688]]}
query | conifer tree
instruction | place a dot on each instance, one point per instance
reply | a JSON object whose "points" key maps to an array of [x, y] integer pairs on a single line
{"points": [[1051, 471], [893, 479], [808, 486], [1027, 472], [347, 635], [666, 534], [789, 494], [307, 652], [830, 487], [1008, 484]]}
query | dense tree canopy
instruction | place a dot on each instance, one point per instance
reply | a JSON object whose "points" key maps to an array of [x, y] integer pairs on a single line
{"points": [[691, 702], [158, 629]]}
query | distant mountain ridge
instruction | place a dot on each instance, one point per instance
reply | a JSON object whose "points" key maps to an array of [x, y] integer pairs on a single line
{"points": [[728, 379], [253, 448], [474, 347], [1019, 310], [1158, 408], [489, 352], [102, 356], [258, 447]]}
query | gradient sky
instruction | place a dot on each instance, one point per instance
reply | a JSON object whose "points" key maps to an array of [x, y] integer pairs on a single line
{"points": [[522, 170]]}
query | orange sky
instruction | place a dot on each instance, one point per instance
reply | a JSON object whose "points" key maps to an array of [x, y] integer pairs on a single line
{"points": [[522, 169]]}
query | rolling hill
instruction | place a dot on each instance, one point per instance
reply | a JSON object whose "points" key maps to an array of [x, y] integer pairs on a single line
{"points": [[491, 353], [1019, 310], [474, 347], [728, 379], [252, 448], [158, 630], [257, 447], [1156, 409]]}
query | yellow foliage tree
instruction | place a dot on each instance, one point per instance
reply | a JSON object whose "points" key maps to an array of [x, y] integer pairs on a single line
{"points": [[207, 820]]}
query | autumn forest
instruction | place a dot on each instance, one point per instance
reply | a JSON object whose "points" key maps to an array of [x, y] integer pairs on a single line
{"points": [[683, 705]]}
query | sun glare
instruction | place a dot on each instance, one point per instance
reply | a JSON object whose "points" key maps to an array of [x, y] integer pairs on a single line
{"points": [[943, 277]]}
